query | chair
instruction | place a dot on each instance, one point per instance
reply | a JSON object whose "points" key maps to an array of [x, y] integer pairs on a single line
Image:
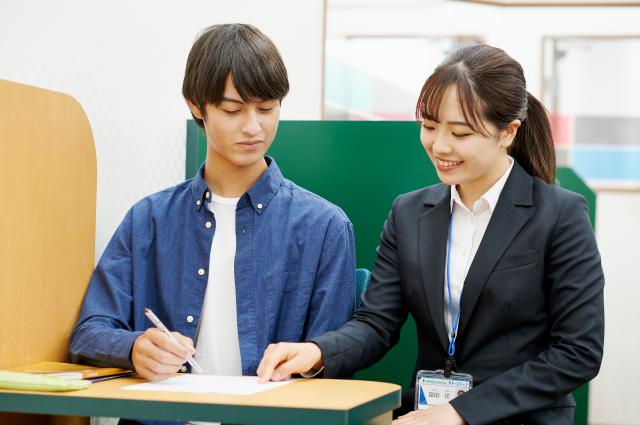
{"points": [[363, 276]]}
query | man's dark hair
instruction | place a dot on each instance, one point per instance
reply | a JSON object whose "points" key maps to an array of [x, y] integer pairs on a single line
{"points": [[239, 50]]}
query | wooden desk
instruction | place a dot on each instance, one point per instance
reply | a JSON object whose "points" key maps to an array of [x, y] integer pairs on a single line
{"points": [[307, 401]]}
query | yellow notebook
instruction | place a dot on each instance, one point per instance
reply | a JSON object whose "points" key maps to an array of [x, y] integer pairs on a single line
{"points": [[31, 382], [73, 371]]}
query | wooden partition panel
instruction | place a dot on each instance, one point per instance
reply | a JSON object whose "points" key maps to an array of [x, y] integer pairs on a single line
{"points": [[47, 223]]}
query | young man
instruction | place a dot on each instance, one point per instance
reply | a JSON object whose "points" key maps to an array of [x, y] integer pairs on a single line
{"points": [[235, 258]]}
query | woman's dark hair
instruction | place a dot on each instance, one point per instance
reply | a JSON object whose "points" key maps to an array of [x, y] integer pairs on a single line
{"points": [[239, 50], [491, 86]]}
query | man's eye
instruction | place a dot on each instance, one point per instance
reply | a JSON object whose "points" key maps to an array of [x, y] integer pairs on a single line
{"points": [[231, 111], [266, 109]]}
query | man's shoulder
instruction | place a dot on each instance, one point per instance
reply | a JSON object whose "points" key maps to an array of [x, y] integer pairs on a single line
{"points": [[311, 202], [172, 197]]}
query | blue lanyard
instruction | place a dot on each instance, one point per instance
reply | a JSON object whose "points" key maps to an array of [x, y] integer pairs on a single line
{"points": [[454, 324]]}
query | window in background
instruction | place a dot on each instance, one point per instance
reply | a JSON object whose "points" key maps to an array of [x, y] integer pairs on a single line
{"points": [[378, 77], [591, 87]]}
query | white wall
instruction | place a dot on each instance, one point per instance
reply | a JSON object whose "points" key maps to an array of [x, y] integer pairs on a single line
{"points": [[615, 65], [518, 30], [124, 60], [613, 396]]}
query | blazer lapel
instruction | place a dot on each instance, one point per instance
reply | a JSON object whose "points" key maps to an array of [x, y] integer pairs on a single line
{"points": [[433, 228], [505, 224]]}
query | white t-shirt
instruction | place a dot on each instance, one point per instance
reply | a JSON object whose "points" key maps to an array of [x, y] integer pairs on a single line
{"points": [[218, 346]]}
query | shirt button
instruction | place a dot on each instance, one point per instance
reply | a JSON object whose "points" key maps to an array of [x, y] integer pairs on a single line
{"points": [[206, 195], [201, 272], [198, 202], [189, 319], [259, 206], [183, 369], [207, 225]]}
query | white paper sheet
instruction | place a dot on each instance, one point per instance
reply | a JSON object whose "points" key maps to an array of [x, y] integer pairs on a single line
{"points": [[190, 383]]}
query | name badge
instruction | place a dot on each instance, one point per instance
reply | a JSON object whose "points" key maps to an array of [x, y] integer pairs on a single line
{"points": [[433, 388]]}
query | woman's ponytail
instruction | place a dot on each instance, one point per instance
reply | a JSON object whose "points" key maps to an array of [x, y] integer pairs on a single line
{"points": [[533, 145]]}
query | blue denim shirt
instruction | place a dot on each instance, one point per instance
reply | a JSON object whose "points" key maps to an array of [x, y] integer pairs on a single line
{"points": [[294, 270]]}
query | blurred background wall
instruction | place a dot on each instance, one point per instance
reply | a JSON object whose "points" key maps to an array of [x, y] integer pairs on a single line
{"points": [[356, 59]]}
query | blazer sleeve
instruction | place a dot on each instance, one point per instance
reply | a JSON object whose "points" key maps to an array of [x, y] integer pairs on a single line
{"points": [[375, 327], [575, 280]]}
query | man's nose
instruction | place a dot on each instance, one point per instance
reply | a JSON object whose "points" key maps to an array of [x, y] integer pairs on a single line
{"points": [[252, 125]]}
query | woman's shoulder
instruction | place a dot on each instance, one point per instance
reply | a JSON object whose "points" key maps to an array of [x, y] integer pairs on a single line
{"points": [[429, 195], [553, 195]]}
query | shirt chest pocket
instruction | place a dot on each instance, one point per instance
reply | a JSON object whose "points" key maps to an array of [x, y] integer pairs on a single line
{"points": [[520, 259]]}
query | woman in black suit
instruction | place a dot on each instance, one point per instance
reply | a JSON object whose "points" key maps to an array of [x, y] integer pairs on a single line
{"points": [[498, 266]]}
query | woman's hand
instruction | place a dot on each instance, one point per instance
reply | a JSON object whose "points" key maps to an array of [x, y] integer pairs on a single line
{"points": [[280, 361], [443, 414]]}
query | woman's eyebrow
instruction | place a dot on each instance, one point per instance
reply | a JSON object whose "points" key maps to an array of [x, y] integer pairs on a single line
{"points": [[466, 124]]}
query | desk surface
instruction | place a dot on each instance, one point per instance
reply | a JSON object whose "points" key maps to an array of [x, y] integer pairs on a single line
{"points": [[307, 401]]}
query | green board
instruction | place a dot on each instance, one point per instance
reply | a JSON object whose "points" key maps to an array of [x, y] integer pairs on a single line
{"points": [[362, 166]]}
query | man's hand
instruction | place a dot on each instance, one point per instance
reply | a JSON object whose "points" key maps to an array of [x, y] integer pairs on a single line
{"points": [[443, 414], [280, 361], [156, 357]]}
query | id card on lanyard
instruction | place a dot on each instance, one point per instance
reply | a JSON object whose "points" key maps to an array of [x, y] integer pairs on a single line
{"points": [[434, 387]]}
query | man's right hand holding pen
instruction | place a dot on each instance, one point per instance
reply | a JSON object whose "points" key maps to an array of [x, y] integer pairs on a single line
{"points": [[156, 356]]}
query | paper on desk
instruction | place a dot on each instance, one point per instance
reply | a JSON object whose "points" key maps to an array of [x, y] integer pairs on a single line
{"points": [[233, 385]]}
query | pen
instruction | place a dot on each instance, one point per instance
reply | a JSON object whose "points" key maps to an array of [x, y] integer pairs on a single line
{"points": [[158, 324]]}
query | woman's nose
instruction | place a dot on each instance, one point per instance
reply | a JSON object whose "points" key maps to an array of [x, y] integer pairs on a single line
{"points": [[440, 145]]}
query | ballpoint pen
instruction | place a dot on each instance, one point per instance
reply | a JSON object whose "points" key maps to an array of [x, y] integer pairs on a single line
{"points": [[158, 324]]}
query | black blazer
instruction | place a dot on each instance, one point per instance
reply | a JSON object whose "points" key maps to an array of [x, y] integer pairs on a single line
{"points": [[532, 321]]}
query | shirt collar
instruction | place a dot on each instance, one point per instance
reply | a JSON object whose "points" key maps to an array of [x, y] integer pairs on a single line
{"points": [[258, 196], [490, 197]]}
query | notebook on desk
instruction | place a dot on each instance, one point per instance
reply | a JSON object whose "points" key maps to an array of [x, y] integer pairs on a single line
{"points": [[34, 382], [74, 371]]}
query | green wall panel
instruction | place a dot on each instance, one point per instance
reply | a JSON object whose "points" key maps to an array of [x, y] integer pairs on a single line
{"points": [[362, 166]]}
